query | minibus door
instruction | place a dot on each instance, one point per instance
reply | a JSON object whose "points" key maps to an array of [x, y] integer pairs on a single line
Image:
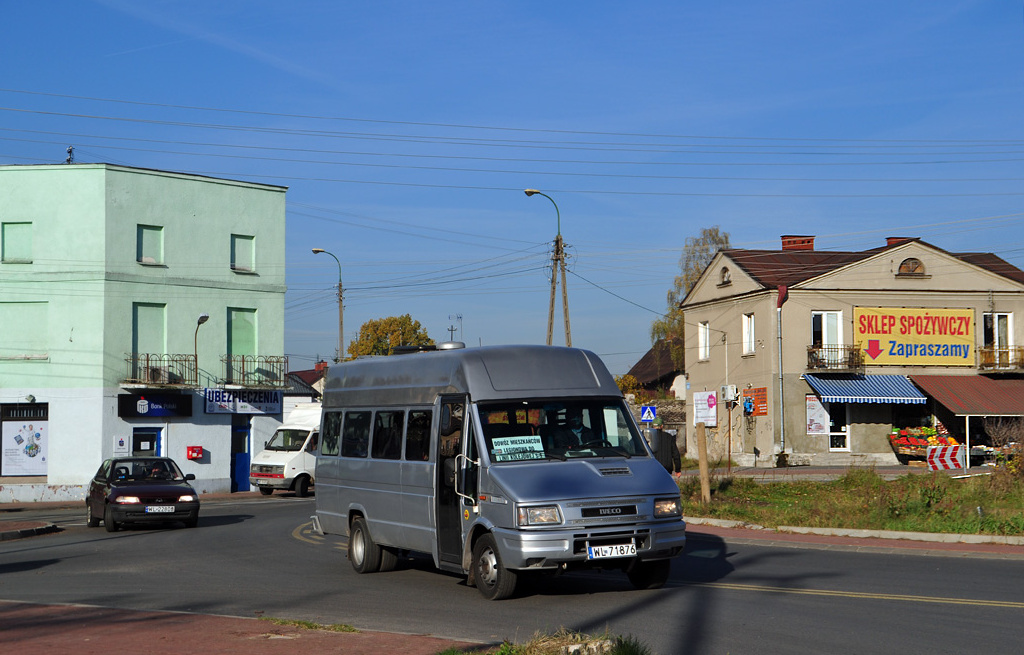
{"points": [[448, 508]]}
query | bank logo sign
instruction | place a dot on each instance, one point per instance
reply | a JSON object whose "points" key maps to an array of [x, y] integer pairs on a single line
{"points": [[900, 336]]}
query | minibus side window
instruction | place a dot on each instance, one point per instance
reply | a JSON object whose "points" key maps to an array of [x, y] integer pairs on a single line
{"points": [[387, 435], [355, 436], [417, 436], [331, 434]]}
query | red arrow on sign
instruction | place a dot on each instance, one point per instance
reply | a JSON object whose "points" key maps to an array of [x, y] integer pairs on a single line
{"points": [[873, 349]]}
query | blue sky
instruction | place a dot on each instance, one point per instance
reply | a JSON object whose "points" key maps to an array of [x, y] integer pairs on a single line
{"points": [[406, 133]]}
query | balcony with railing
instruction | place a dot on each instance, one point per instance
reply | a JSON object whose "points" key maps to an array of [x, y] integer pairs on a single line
{"points": [[260, 371], [848, 358], [157, 370], [1009, 358]]}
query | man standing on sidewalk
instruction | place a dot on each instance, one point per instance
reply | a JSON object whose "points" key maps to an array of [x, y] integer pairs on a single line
{"points": [[664, 447]]}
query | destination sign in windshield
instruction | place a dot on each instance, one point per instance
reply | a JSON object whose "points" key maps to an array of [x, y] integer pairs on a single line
{"points": [[515, 449]]}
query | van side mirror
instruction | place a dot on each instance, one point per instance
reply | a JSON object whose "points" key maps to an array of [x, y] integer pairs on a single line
{"points": [[190, 476]]}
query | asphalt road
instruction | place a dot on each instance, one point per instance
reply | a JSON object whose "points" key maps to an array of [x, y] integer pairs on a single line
{"points": [[259, 557]]}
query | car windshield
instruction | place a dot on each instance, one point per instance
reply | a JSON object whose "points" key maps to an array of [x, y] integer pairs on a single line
{"points": [[146, 470], [517, 431], [288, 440]]}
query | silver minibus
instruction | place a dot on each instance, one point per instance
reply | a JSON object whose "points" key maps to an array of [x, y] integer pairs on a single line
{"points": [[496, 461]]}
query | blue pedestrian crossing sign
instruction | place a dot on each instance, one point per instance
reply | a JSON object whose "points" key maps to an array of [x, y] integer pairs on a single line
{"points": [[648, 413]]}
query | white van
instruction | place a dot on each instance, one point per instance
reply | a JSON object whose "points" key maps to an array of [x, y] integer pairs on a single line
{"points": [[288, 460]]}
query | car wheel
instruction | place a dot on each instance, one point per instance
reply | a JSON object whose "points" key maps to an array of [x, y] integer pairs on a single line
{"points": [[362, 551], [90, 520], [266, 491], [302, 486], [493, 580], [649, 575], [193, 520], [108, 520]]}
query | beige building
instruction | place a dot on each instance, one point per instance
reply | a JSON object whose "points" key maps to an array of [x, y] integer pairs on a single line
{"points": [[903, 336]]}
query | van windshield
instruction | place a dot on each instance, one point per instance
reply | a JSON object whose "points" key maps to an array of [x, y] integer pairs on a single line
{"points": [[288, 440], [516, 431]]}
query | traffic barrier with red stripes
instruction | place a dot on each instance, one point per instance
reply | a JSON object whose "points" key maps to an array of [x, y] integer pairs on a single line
{"points": [[945, 457]]}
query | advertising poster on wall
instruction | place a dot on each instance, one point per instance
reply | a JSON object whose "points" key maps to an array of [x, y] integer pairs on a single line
{"points": [[705, 408], [24, 447], [902, 336], [755, 401], [818, 421]]}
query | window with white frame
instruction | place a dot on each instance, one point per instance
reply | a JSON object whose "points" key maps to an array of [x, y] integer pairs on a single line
{"points": [[703, 340], [748, 334], [997, 332]]}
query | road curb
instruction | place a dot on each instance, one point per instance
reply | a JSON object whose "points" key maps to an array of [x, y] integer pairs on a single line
{"points": [[27, 531], [936, 537]]}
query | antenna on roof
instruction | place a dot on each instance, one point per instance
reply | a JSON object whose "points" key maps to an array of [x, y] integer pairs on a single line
{"points": [[71, 155]]}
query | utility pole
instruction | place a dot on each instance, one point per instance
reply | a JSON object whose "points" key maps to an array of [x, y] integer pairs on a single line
{"points": [[557, 267]]}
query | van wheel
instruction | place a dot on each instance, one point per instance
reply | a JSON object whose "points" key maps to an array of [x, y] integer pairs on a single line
{"points": [[493, 580], [649, 575], [108, 520], [90, 519], [266, 491], [364, 554], [302, 487]]}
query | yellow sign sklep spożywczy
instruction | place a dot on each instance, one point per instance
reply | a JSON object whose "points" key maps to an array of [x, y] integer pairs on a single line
{"points": [[900, 336]]}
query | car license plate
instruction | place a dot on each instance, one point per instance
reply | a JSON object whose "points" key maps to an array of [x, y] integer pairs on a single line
{"points": [[616, 550], [159, 509]]}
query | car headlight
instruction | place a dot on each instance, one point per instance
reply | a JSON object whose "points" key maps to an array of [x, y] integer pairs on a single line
{"points": [[186, 498], [127, 500], [667, 507], [548, 515]]}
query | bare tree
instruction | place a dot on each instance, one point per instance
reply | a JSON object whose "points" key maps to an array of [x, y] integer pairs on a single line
{"points": [[697, 254]]}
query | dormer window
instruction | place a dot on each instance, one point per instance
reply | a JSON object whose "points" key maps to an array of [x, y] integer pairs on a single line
{"points": [[911, 267], [724, 277]]}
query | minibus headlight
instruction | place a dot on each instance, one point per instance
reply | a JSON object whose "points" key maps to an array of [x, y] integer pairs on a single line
{"points": [[667, 507], [538, 516]]}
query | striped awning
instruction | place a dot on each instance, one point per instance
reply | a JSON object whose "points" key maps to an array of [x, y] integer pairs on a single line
{"points": [[865, 389]]}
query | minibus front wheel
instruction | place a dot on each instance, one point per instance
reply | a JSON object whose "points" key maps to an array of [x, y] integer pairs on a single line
{"points": [[493, 580]]}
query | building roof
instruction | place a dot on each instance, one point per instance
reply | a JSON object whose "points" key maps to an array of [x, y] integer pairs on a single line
{"points": [[656, 364], [974, 395], [775, 268]]}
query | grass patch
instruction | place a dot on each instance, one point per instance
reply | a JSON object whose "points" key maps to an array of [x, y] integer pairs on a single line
{"points": [[559, 643], [310, 625], [862, 499]]}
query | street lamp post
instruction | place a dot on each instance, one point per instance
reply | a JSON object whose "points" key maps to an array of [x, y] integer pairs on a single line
{"points": [[341, 308], [557, 265], [204, 317]]}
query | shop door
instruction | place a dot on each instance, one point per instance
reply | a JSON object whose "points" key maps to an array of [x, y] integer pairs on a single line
{"points": [[146, 442], [240, 452], [838, 431]]}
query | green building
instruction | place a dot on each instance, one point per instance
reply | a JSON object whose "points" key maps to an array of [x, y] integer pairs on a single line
{"points": [[141, 311]]}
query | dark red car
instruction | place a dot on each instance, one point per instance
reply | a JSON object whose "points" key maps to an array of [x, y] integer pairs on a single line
{"points": [[141, 490]]}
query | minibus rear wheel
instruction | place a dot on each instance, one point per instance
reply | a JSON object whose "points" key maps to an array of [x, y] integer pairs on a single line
{"points": [[493, 580], [362, 551]]}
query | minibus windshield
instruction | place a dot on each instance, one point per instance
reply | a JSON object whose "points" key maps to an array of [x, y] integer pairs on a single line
{"points": [[523, 430]]}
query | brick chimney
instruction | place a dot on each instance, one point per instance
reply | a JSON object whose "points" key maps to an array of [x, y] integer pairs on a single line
{"points": [[320, 367], [797, 242], [893, 241]]}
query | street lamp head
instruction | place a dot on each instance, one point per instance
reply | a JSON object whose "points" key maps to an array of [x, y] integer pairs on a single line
{"points": [[531, 192], [317, 251], [202, 319]]}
